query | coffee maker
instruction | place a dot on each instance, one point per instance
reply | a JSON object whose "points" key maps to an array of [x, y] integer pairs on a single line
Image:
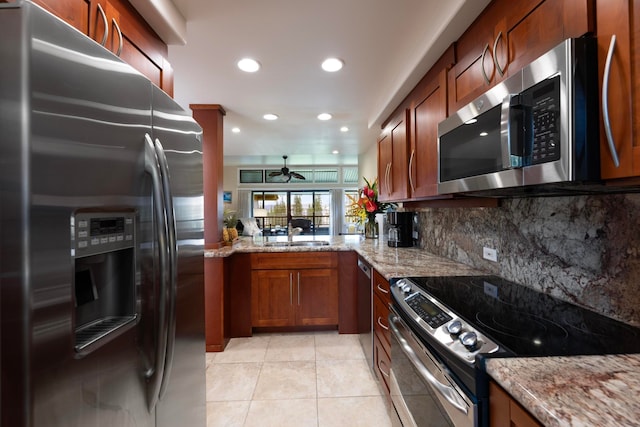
{"points": [[400, 229]]}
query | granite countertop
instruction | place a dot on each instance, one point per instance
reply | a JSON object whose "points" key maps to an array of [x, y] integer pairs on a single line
{"points": [[388, 261], [574, 391], [558, 391]]}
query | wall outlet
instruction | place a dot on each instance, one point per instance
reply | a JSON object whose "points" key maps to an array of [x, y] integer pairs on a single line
{"points": [[490, 254]]}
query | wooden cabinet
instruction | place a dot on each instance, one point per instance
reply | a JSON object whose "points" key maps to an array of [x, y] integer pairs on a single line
{"points": [[74, 12], [393, 159], [504, 411], [428, 107], [620, 18], [118, 27], [381, 333], [294, 289], [507, 36]]}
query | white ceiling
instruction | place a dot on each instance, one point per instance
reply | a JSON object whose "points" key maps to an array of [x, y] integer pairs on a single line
{"points": [[387, 46]]}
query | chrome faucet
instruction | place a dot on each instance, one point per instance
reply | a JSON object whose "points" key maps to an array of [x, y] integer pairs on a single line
{"points": [[292, 231]]}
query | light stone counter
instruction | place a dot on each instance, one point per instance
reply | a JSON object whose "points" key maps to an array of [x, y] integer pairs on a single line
{"points": [[574, 391], [558, 391], [388, 261]]}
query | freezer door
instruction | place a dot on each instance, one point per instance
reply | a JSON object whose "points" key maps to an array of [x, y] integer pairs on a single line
{"points": [[177, 137], [76, 134]]}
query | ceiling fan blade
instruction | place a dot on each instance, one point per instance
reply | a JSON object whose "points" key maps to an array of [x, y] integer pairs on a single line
{"points": [[297, 175], [275, 173]]}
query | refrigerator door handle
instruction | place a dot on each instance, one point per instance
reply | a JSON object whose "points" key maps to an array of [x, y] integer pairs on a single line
{"points": [[173, 265], [156, 372]]}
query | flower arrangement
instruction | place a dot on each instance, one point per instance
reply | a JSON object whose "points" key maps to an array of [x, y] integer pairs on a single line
{"points": [[367, 205]]}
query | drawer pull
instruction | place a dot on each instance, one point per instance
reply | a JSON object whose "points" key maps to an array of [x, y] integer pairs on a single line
{"points": [[386, 374], [381, 289], [386, 328]]}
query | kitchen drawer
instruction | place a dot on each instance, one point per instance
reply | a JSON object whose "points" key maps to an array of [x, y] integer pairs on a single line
{"points": [[381, 321], [293, 260], [382, 365], [381, 287]]}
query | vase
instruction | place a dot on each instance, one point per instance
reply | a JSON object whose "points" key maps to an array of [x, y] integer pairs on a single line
{"points": [[371, 229]]}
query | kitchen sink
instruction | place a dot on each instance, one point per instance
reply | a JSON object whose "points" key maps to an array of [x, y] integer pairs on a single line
{"points": [[298, 243]]}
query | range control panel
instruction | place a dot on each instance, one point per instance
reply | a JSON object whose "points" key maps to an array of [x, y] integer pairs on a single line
{"points": [[98, 232]]}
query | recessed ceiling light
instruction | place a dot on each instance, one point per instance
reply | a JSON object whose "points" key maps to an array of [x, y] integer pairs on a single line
{"points": [[335, 152], [344, 129], [332, 64], [249, 65], [270, 116], [235, 130], [324, 116], [483, 134]]}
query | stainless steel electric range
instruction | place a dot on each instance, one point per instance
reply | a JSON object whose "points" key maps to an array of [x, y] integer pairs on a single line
{"points": [[444, 329]]}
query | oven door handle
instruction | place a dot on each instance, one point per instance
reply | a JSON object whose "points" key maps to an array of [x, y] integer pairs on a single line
{"points": [[446, 391]]}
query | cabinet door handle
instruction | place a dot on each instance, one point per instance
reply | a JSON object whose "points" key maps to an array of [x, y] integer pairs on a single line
{"points": [[413, 190], [484, 72], [298, 288], [381, 289], [106, 25], [386, 374], [495, 55], [386, 328], [115, 24], [605, 102], [290, 288]]}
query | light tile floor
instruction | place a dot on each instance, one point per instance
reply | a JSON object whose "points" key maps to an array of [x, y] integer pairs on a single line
{"points": [[315, 379]]}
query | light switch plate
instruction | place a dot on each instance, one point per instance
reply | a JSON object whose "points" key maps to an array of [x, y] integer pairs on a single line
{"points": [[490, 254]]}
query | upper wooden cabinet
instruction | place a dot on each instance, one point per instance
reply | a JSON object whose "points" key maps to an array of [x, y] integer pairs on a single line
{"points": [[393, 159], [428, 107], [620, 18], [507, 36], [118, 27]]}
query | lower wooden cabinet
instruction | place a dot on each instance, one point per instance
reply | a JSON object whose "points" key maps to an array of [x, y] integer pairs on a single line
{"points": [[381, 333], [294, 297], [285, 296], [504, 411]]}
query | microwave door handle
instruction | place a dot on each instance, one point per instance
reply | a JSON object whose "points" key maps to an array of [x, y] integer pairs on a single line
{"points": [[516, 132], [605, 102]]}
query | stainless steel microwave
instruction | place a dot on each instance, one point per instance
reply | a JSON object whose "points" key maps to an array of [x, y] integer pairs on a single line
{"points": [[537, 127]]}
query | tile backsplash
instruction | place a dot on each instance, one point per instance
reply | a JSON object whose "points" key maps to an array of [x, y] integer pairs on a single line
{"points": [[582, 249]]}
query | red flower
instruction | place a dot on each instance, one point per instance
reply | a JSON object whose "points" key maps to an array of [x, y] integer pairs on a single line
{"points": [[371, 206], [369, 192]]}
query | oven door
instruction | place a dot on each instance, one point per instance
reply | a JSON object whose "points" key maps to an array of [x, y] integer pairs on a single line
{"points": [[422, 390]]}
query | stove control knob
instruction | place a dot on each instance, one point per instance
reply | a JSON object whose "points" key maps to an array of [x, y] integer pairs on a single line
{"points": [[469, 340], [455, 327], [406, 288], [400, 284]]}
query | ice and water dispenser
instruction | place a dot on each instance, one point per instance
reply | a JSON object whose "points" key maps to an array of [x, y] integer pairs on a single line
{"points": [[103, 250]]}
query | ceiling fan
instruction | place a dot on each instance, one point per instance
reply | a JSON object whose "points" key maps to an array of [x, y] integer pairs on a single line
{"points": [[286, 173]]}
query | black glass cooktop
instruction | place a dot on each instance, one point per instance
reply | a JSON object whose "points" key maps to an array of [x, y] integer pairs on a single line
{"points": [[529, 323]]}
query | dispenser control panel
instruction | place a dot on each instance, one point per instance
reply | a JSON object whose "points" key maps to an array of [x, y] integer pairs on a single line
{"points": [[98, 232]]}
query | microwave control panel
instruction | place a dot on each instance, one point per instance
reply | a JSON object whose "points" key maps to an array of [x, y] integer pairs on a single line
{"points": [[545, 103]]}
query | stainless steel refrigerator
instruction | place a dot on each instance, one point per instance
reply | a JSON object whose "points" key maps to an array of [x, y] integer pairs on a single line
{"points": [[101, 237]]}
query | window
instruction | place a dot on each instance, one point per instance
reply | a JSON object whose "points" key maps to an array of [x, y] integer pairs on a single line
{"points": [[251, 176], [350, 221], [309, 210]]}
